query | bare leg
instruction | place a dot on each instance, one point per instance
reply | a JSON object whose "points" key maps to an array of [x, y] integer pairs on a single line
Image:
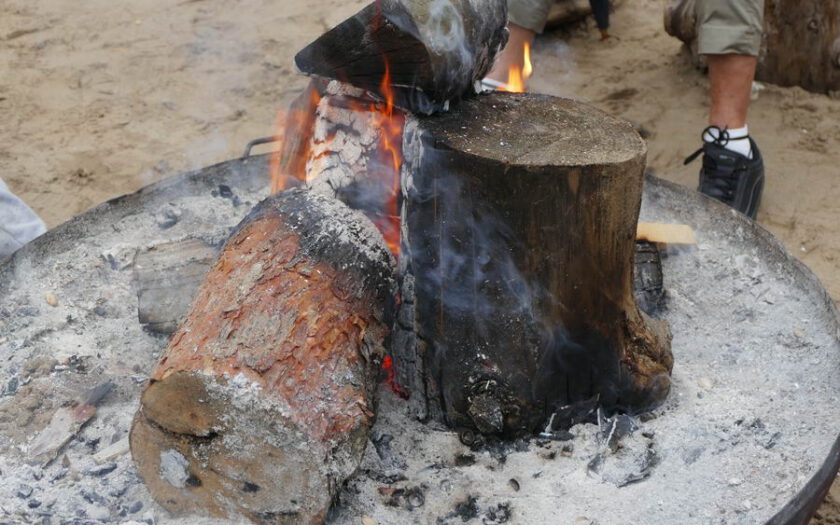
{"points": [[731, 79], [513, 54]]}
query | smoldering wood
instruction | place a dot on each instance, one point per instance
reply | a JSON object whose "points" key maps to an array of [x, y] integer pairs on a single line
{"points": [[432, 52], [518, 243], [166, 278], [347, 154], [800, 47], [261, 405]]}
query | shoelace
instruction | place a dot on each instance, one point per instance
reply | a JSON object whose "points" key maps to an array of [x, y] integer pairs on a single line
{"points": [[721, 139]]}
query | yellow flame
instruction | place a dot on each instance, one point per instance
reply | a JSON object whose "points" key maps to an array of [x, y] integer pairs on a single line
{"points": [[529, 68], [517, 78]]}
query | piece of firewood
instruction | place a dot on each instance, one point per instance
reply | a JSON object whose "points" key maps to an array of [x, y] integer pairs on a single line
{"points": [[800, 47], [428, 52], [166, 278], [66, 423], [519, 236], [261, 405], [665, 233]]}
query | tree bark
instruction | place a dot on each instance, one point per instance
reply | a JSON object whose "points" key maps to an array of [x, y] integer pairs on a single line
{"points": [[518, 240], [801, 44], [261, 405]]}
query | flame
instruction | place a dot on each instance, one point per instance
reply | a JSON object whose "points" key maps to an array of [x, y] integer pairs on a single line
{"points": [[296, 125], [391, 127], [518, 77], [292, 125]]}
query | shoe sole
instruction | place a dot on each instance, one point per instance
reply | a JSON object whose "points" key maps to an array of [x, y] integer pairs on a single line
{"points": [[755, 199]]}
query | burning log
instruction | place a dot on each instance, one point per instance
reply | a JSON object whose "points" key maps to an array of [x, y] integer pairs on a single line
{"points": [[801, 44], [261, 405], [431, 52], [518, 242]]}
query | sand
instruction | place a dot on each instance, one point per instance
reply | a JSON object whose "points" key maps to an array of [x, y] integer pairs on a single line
{"points": [[100, 100]]}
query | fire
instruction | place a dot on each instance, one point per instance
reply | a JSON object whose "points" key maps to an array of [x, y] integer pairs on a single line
{"points": [[391, 127], [384, 167], [517, 78], [290, 126]]}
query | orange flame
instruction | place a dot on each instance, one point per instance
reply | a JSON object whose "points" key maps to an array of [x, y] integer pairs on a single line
{"points": [[291, 126], [390, 151], [290, 159], [518, 77]]}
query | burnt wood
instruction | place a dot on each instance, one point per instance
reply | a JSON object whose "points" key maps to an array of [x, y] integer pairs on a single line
{"points": [[517, 263], [801, 44], [261, 405], [166, 278], [432, 52]]}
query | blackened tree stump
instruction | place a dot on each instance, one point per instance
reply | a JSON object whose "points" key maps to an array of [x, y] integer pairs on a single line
{"points": [[518, 242], [801, 44], [261, 405]]}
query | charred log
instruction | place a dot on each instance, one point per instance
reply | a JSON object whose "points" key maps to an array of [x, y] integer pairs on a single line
{"points": [[429, 53], [518, 242], [261, 405], [801, 44]]}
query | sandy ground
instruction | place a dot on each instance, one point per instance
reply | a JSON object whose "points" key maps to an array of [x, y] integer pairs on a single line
{"points": [[100, 99]]}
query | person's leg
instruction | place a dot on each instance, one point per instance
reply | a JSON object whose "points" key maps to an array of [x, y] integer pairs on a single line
{"points": [[729, 35], [731, 78], [18, 223]]}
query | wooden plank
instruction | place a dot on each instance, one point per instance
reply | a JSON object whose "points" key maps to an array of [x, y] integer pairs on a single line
{"points": [[665, 233], [166, 278]]}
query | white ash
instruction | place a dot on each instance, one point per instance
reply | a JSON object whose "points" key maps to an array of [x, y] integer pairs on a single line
{"points": [[752, 413], [344, 140]]}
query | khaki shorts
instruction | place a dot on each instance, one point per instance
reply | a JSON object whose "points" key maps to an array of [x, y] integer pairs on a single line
{"points": [[723, 26], [729, 26], [530, 14]]}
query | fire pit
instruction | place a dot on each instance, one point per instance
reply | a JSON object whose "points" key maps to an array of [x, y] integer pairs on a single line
{"points": [[747, 434], [431, 319]]}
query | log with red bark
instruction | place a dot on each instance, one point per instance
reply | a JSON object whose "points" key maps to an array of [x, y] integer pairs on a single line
{"points": [[261, 405], [800, 47], [517, 266]]}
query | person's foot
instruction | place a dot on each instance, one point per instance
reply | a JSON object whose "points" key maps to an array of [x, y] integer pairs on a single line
{"points": [[731, 177]]}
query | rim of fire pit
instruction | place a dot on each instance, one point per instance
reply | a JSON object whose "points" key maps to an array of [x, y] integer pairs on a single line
{"points": [[249, 175]]}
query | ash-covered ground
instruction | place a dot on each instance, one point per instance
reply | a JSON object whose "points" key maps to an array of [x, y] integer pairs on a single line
{"points": [[751, 417]]}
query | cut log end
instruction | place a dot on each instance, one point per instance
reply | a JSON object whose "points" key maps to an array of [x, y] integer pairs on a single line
{"points": [[228, 454], [261, 405]]}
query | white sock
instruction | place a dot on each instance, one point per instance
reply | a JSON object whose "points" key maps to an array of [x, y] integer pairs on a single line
{"points": [[738, 141]]}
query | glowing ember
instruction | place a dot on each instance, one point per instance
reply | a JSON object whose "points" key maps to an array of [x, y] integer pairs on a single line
{"points": [[518, 77], [390, 378]]}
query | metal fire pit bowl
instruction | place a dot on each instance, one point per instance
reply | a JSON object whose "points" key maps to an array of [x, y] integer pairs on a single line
{"points": [[748, 434]]}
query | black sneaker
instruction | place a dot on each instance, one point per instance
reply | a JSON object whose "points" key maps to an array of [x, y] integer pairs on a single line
{"points": [[730, 177]]}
